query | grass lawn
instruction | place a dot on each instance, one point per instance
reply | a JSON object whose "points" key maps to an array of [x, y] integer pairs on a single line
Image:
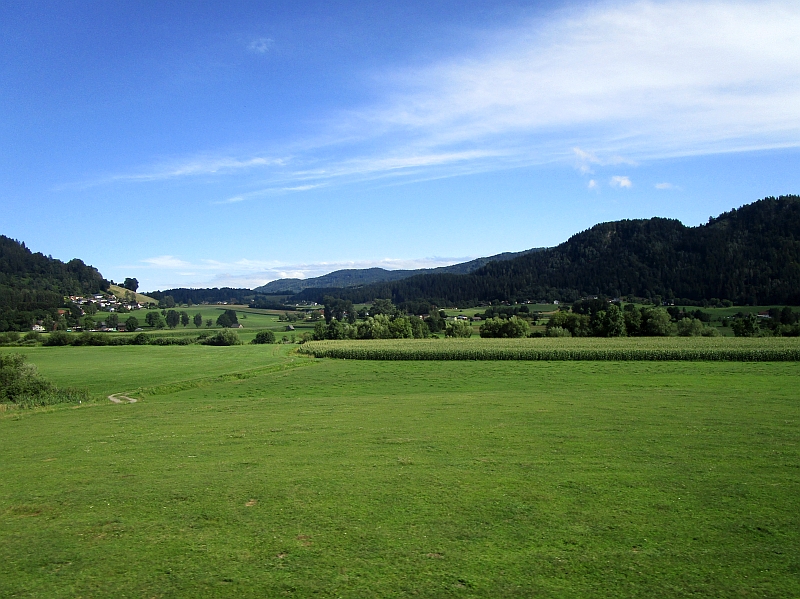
{"points": [[393, 479]]}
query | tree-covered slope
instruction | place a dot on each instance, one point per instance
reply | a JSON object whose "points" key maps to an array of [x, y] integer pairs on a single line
{"points": [[32, 284], [747, 255]]}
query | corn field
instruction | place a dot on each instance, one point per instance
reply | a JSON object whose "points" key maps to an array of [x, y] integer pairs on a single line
{"points": [[641, 348]]}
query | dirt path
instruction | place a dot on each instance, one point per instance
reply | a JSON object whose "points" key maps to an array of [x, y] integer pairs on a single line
{"points": [[120, 398]]}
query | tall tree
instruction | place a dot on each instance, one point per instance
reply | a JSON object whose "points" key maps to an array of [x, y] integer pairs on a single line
{"points": [[131, 324], [131, 284], [173, 318]]}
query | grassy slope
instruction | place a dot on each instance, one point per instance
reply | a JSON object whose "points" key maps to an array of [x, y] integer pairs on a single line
{"points": [[140, 298], [385, 479]]}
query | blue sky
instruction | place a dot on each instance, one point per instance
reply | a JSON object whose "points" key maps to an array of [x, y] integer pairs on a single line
{"points": [[210, 144]]}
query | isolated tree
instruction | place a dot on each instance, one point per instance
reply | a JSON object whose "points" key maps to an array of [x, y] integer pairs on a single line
{"points": [[173, 319], [746, 326], [131, 284], [112, 320], [338, 309], [505, 328], [458, 328], [131, 324], [198, 320], [400, 328], [155, 320], [209, 322], [227, 319], [656, 322], [689, 327], [609, 322], [264, 337], [184, 318], [88, 323]]}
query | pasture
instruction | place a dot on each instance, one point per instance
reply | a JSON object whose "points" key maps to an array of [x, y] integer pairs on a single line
{"points": [[249, 471]]}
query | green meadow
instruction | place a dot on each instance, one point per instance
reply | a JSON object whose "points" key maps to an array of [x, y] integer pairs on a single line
{"points": [[250, 471]]}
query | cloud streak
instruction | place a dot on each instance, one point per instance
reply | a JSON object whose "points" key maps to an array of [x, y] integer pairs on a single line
{"points": [[607, 84], [162, 272], [645, 79]]}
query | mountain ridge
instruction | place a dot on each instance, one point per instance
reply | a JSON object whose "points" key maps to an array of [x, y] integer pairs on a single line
{"points": [[747, 255], [352, 277]]}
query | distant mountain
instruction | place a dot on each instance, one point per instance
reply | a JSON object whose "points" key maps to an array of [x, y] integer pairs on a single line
{"points": [[354, 277], [749, 255], [33, 285]]}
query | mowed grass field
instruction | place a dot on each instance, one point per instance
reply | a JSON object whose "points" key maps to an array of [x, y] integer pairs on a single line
{"points": [[248, 472]]}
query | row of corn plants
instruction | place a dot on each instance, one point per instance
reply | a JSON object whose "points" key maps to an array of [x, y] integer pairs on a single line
{"points": [[656, 349]]}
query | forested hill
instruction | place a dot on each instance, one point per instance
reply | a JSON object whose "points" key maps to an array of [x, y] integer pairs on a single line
{"points": [[32, 284], [749, 255], [352, 277]]}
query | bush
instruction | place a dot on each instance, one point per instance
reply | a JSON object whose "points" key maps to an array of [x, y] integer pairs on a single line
{"points": [[88, 338], [223, 338], [263, 337], [557, 331], [21, 384], [58, 338], [140, 339], [458, 328], [689, 327], [505, 328], [746, 326]]}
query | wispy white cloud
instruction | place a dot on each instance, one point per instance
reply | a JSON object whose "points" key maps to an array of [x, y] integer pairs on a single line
{"points": [[664, 186], [620, 182], [162, 272], [166, 262], [609, 83], [189, 167], [261, 45], [642, 78], [592, 184]]}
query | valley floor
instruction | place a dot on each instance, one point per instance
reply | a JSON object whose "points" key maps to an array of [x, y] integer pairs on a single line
{"points": [[246, 471]]}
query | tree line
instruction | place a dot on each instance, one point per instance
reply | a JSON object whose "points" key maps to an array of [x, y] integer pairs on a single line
{"points": [[33, 286], [747, 256]]}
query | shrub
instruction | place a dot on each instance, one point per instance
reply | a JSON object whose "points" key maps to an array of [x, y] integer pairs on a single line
{"points": [[58, 338], [88, 338], [689, 327], [505, 328], [557, 331], [140, 339], [223, 338], [458, 328], [263, 337], [746, 326], [21, 384]]}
